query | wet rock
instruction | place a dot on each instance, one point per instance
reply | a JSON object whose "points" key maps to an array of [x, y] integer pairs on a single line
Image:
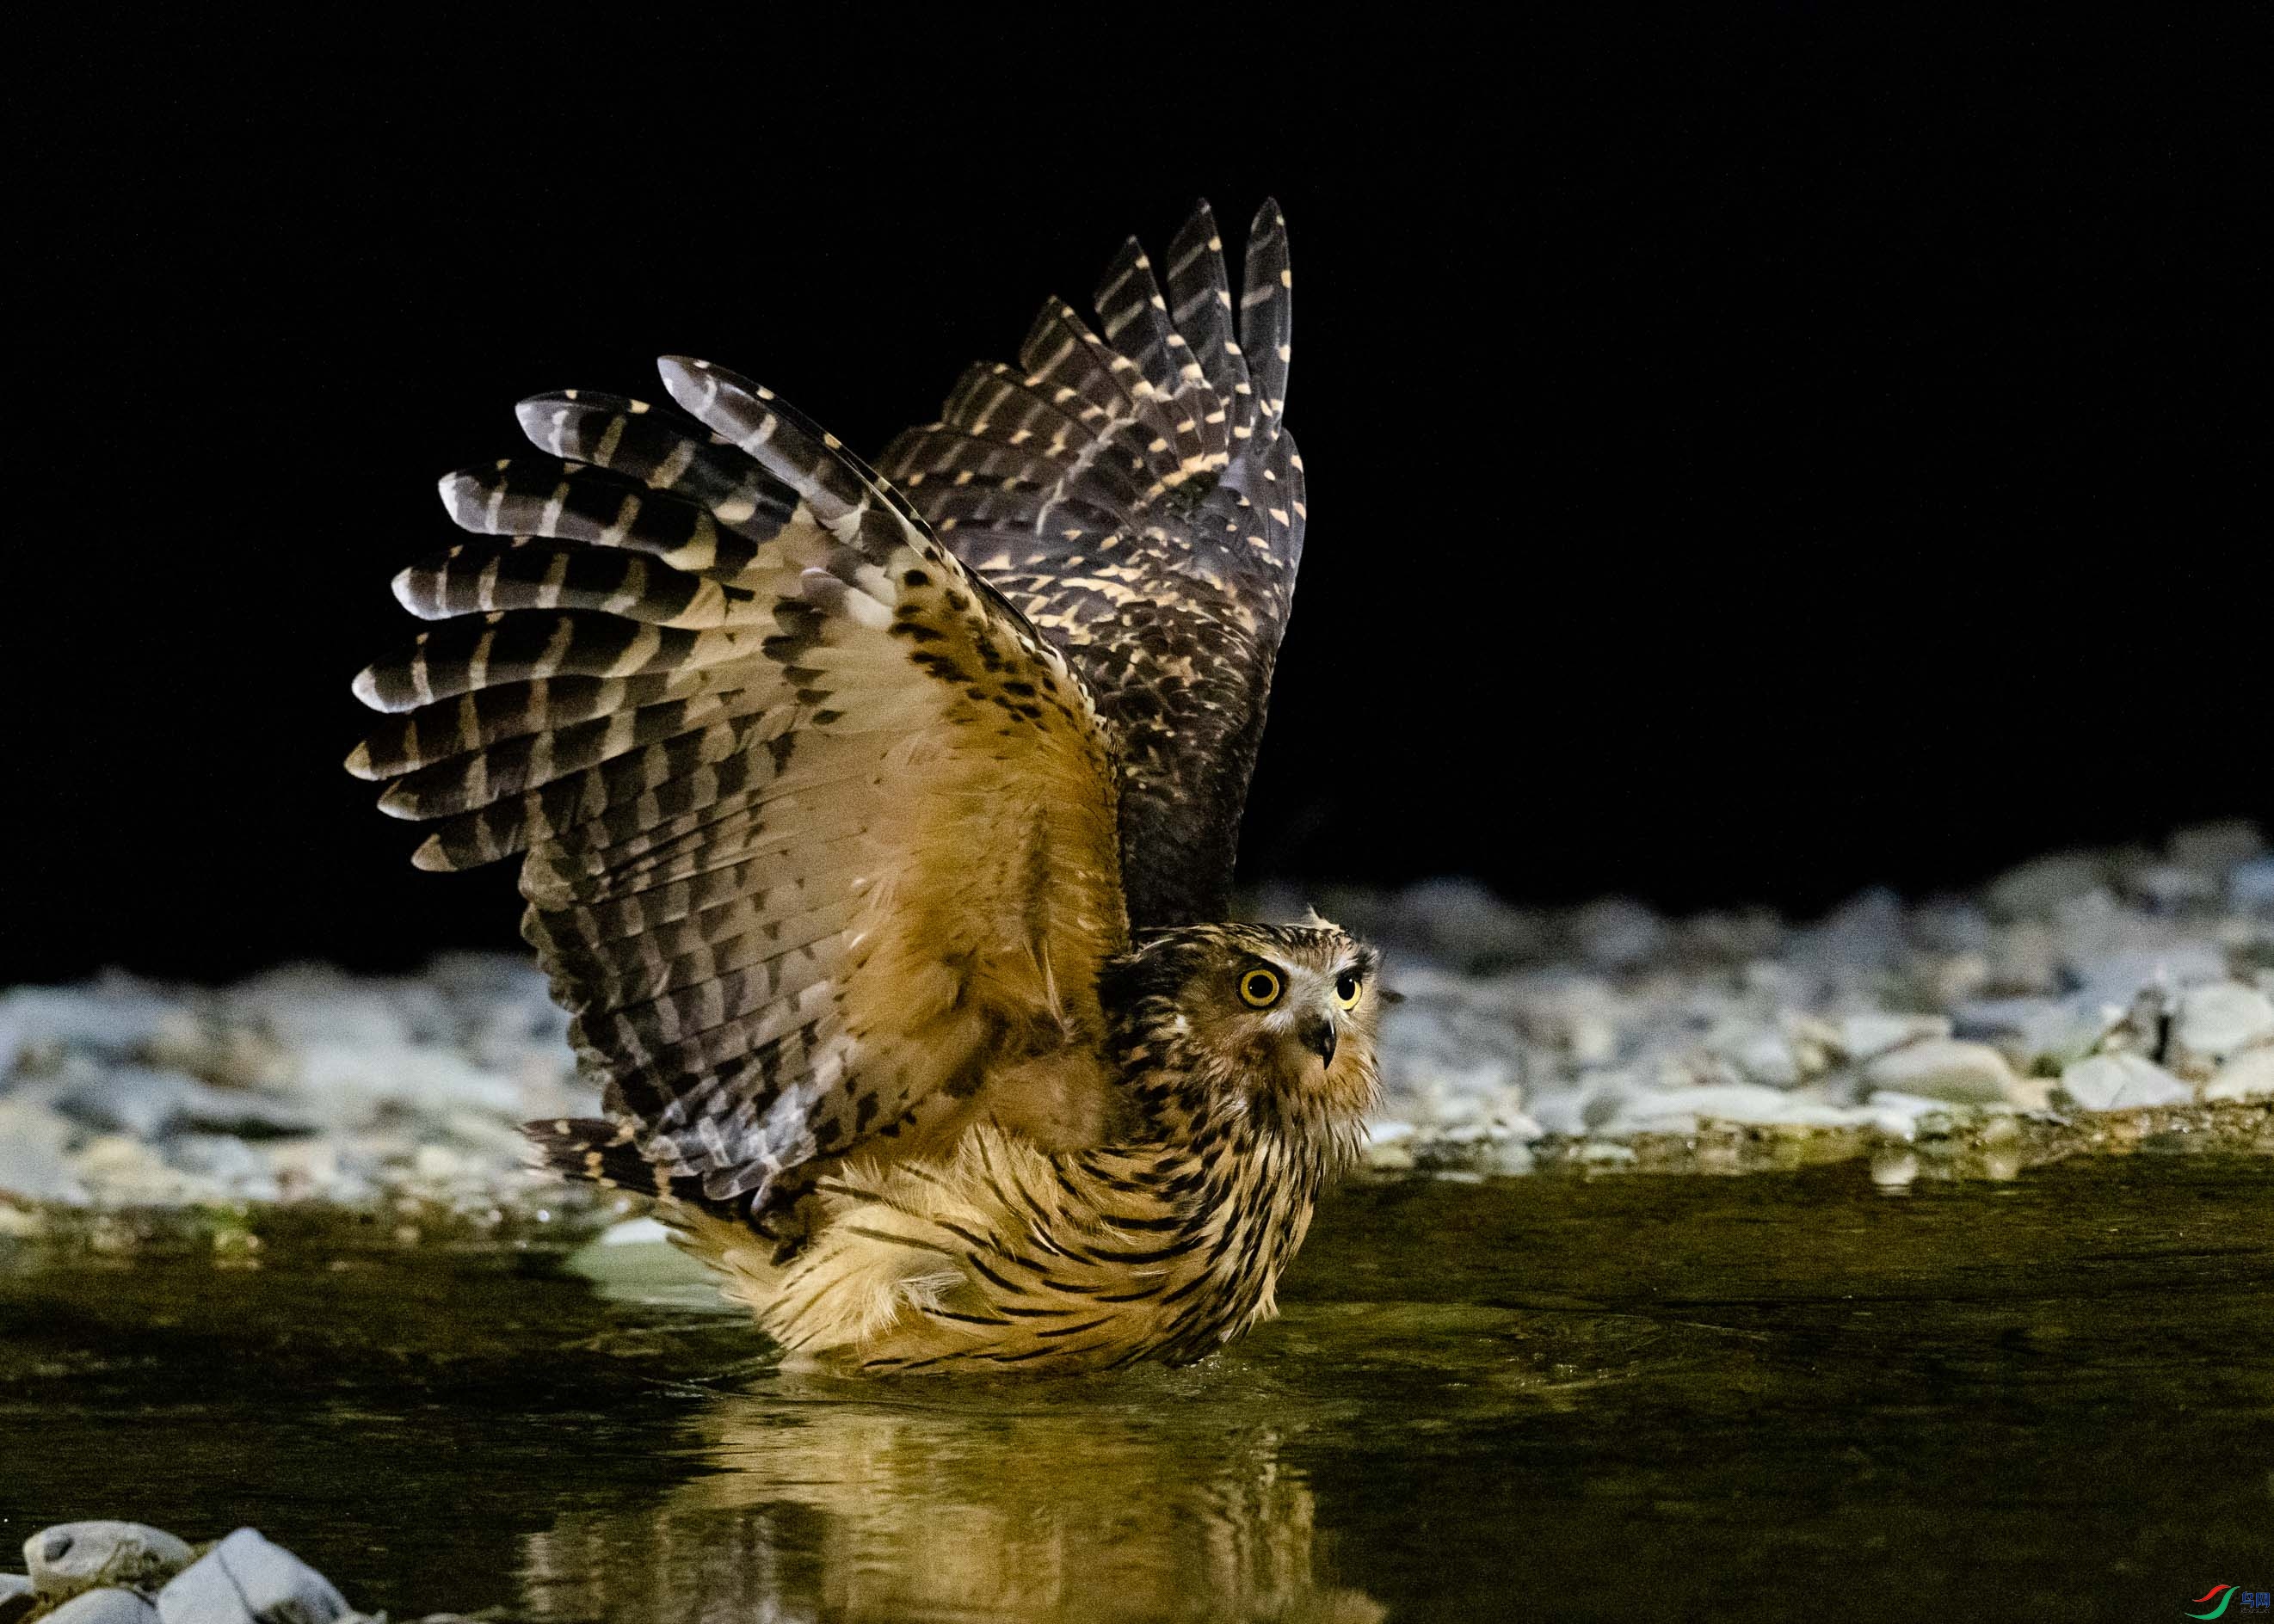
{"points": [[115, 1016], [149, 1103], [2118, 978], [358, 1084], [1945, 1069], [2039, 1031], [2170, 888], [1619, 933], [2037, 888], [1680, 1110], [2248, 1076], [106, 1606], [2250, 887], [1910, 1116], [1866, 931], [229, 1163], [1867, 1036], [247, 1580], [1763, 1053], [1463, 923], [71, 1557], [2222, 1018], [2122, 1081], [34, 1142], [2217, 848]]}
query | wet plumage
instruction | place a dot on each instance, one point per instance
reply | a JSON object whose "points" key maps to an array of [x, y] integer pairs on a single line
{"points": [[871, 823]]}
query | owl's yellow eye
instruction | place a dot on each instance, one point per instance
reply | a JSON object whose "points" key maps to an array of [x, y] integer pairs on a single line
{"points": [[1347, 988], [1259, 990]]}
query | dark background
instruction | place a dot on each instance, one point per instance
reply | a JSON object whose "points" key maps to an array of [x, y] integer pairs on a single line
{"points": [[1748, 461]]}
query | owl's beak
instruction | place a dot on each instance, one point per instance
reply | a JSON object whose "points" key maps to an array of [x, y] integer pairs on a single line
{"points": [[1318, 1035]]}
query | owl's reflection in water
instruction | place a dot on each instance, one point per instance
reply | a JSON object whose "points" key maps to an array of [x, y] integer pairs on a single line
{"points": [[975, 1508]]}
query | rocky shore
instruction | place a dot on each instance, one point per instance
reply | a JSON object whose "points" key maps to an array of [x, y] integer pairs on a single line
{"points": [[2087, 1002], [128, 1573]]}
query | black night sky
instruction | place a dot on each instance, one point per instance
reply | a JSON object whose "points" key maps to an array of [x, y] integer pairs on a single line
{"points": [[1747, 463]]}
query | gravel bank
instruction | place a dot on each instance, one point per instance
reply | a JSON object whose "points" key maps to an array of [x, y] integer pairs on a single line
{"points": [[2087, 1002]]}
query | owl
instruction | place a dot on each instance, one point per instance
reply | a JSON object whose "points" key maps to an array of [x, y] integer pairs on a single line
{"points": [[877, 827]]}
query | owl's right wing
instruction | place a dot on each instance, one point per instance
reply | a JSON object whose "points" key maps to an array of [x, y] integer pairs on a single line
{"points": [[812, 822]]}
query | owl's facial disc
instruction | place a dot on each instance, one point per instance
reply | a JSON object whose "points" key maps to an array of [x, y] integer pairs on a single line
{"points": [[1314, 1032]]}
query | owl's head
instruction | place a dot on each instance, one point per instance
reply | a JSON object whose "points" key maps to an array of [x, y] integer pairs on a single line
{"points": [[1268, 1018]]}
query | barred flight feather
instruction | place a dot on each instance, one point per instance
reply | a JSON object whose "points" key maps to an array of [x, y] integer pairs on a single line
{"points": [[1135, 496], [750, 726]]}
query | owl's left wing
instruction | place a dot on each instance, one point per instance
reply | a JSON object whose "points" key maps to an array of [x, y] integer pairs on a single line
{"points": [[812, 822], [1134, 491]]}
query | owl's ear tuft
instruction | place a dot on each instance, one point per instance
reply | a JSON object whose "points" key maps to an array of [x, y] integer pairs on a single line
{"points": [[1315, 919]]}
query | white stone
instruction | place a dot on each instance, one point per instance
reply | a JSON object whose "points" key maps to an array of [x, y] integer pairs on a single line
{"points": [[1618, 932], [149, 1103], [2122, 1081], [2036, 1029], [1872, 1032], [1895, 1169], [1945, 1069], [2223, 1019], [247, 1580], [1680, 1110], [2216, 847], [1866, 930], [2170, 888], [1467, 923], [33, 1142], [2118, 977], [357, 1083], [2038, 887], [2250, 887], [1761, 1052], [2248, 1076], [70, 1557], [116, 1017], [104, 1607]]}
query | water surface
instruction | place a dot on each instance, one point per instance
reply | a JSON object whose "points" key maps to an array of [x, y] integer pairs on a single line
{"points": [[1555, 1397]]}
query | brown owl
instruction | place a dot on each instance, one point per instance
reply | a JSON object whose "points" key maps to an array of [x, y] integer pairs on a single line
{"points": [[871, 825]]}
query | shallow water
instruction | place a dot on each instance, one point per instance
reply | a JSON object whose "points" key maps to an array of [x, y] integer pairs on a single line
{"points": [[1770, 1396]]}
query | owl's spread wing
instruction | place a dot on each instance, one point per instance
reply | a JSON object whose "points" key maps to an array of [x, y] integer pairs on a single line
{"points": [[1135, 495], [811, 820]]}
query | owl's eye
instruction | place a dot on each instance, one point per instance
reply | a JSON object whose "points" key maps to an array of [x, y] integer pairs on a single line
{"points": [[1347, 988], [1259, 990]]}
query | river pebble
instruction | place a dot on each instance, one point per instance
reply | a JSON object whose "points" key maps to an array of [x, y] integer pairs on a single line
{"points": [[2223, 1019], [1945, 1069], [2122, 1081], [2248, 1076], [71, 1557], [1524, 1032], [105, 1607], [247, 1580]]}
